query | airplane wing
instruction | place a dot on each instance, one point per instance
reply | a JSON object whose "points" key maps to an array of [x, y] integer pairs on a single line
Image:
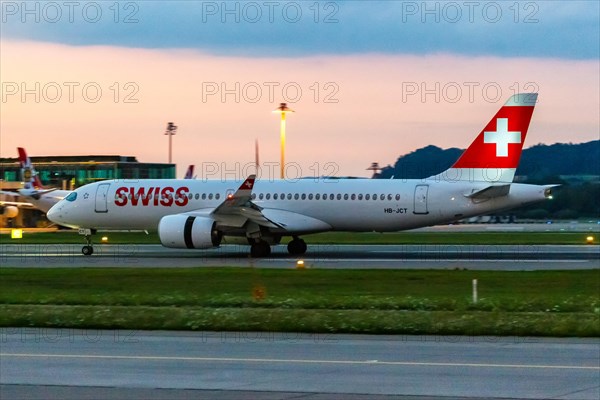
{"points": [[19, 204], [238, 209]]}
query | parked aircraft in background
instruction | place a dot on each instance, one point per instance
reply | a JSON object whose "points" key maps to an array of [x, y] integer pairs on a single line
{"points": [[189, 174], [33, 191], [197, 214]]}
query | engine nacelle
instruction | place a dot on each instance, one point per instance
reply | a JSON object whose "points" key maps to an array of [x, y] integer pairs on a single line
{"points": [[10, 211], [188, 232]]}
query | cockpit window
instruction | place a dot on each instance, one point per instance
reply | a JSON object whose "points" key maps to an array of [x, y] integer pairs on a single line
{"points": [[71, 197]]}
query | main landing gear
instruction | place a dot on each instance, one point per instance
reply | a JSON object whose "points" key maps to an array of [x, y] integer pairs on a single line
{"points": [[88, 249], [260, 248], [297, 246]]}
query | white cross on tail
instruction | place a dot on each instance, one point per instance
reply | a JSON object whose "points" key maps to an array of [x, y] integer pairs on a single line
{"points": [[502, 137]]}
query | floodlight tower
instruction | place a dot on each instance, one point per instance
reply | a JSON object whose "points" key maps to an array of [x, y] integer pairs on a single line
{"points": [[171, 130], [282, 109]]}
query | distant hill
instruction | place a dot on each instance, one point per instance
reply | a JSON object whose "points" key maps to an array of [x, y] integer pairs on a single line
{"points": [[537, 162]]}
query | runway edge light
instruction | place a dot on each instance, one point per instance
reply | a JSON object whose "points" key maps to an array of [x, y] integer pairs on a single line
{"points": [[589, 239], [16, 234]]}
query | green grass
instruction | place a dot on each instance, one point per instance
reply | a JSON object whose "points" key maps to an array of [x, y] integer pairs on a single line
{"points": [[558, 303], [335, 238]]}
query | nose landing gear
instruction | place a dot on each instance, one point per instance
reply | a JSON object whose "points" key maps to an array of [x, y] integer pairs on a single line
{"points": [[88, 249]]}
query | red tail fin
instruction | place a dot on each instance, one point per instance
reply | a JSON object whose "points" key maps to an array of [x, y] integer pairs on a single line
{"points": [[495, 153]]}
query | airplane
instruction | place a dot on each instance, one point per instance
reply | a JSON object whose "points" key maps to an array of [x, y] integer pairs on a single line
{"points": [[198, 214], [33, 191]]}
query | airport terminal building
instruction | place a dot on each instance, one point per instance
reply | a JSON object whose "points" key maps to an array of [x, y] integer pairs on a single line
{"points": [[70, 172], [73, 171]]}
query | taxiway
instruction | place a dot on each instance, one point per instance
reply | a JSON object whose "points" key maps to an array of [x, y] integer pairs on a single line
{"points": [[277, 365]]}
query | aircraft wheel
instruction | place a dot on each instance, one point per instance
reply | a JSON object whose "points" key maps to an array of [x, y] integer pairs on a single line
{"points": [[87, 250], [297, 247], [260, 249]]}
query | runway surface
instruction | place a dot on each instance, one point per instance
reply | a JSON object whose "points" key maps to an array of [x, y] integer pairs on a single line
{"points": [[486, 257], [281, 366]]}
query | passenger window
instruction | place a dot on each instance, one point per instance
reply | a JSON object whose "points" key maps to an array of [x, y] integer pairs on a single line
{"points": [[282, 196], [210, 196], [297, 196], [275, 196], [360, 196], [397, 197], [253, 197], [375, 197], [217, 196], [331, 196], [367, 197], [389, 197], [339, 196], [382, 197], [317, 196], [203, 196], [197, 196], [324, 196], [353, 197], [303, 196], [268, 196], [289, 196], [260, 196]]}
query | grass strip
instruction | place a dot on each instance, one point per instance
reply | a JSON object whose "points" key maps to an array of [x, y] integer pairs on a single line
{"points": [[299, 320], [537, 303], [415, 290]]}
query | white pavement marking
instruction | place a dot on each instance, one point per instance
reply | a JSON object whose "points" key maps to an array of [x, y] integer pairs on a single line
{"points": [[299, 361]]}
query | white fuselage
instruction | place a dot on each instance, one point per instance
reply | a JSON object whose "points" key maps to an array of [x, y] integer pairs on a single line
{"points": [[342, 204]]}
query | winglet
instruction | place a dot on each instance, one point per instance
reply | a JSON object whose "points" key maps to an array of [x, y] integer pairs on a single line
{"points": [[245, 189], [240, 197]]}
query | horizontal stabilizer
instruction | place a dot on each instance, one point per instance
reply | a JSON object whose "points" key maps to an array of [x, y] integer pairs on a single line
{"points": [[490, 192]]}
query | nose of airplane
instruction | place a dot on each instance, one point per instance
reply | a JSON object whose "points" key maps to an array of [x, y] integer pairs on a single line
{"points": [[54, 213]]}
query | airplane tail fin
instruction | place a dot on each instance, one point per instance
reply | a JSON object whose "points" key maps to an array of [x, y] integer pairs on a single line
{"points": [[495, 153], [28, 174], [189, 174]]}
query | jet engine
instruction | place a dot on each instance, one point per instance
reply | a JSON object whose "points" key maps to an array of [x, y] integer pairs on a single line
{"points": [[10, 211], [188, 232]]}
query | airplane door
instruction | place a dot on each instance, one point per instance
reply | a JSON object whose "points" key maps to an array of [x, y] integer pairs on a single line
{"points": [[421, 199], [101, 197]]}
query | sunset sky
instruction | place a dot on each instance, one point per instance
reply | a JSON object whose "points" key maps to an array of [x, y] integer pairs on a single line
{"points": [[369, 81]]}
